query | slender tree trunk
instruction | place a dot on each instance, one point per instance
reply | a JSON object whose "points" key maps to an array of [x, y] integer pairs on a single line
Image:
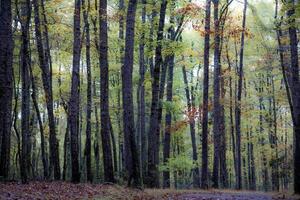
{"points": [[238, 107], [74, 99], [114, 145], [118, 112], [231, 111], [6, 84], [273, 135], [216, 109], [47, 43], [44, 65], [37, 110], [168, 118], [154, 132], [141, 97], [131, 150], [223, 146], [104, 99], [204, 172], [25, 64], [191, 114], [96, 142], [295, 90], [89, 91]]}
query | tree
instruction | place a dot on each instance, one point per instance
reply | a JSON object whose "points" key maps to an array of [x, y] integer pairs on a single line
{"points": [[154, 130], [168, 117], [204, 172], [217, 108], [295, 89], [89, 90], [239, 98], [46, 76], [141, 96], [190, 101], [6, 84], [104, 101], [131, 153], [25, 63], [74, 98]]}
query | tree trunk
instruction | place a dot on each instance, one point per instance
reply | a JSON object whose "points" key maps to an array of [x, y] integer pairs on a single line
{"points": [[89, 91], [216, 109], [204, 172], [114, 145], [153, 135], [295, 91], [141, 97], [191, 119], [131, 150], [6, 84], [104, 99], [74, 99], [25, 64], [44, 65], [96, 142], [37, 110], [238, 106]]}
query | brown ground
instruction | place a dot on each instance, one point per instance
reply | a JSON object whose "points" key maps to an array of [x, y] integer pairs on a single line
{"points": [[65, 190]]}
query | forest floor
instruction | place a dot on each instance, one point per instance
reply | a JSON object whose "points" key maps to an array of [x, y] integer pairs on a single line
{"points": [[65, 190]]}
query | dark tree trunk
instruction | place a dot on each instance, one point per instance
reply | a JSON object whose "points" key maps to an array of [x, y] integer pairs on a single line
{"points": [[151, 36], [47, 44], [96, 142], [131, 150], [223, 147], [25, 64], [118, 112], [6, 84], [273, 135], [141, 97], [154, 132], [44, 65], [295, 88], [204, 172], [66, 152], [37, 110], [231, 110], [238, 106], [104, 99], [168, 118], [114, 145], [217, 108], [89, 91], [74, 99], [191, 119]]}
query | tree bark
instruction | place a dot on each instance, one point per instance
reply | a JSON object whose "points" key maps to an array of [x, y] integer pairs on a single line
{"points": [[141, 96], [74, 99], [204, 172], [191, 119], [295, 88], [88, 141], [154, 132], [131, 153], [38, 113], [6, 84], [25, 63], [238, 106], [216, 109], [44, 65], [104, 99]]}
